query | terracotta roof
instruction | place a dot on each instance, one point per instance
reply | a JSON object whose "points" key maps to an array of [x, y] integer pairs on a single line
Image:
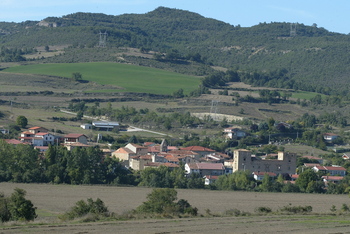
{"points": [[33, 128], [211, 177], [198, 148], [148, 143], [333, 178], [41, 133], [74, 135], [311, 157], [27, 132], [13, 141], [41, 147], [124, 150], [294, 176], [154, 148], [181, 152], [328, 168], [173, 148], [171, 158]]}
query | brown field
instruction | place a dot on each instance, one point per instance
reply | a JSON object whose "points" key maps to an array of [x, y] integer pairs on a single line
{"points": [[52, 200]]}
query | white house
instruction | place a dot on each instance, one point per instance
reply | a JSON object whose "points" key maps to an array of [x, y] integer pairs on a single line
{"points": [[75, 137], [86, 126], [209, 179], [331, 170], [329, 136], [205, 168], [48, 138], [233, 132]]}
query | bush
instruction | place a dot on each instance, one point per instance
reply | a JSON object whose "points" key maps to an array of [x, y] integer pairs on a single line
{"points": [[162, 201], [263, 209], [83, 208], [16, 207], [296, 209]]}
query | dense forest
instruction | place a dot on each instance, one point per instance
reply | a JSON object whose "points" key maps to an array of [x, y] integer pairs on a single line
{"points": [[312, 59]]}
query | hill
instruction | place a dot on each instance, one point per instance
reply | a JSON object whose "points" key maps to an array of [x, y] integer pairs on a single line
{"points": [[315, 58]]}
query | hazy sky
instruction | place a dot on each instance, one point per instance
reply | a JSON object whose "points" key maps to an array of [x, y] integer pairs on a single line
{"points": [[332, 15]]}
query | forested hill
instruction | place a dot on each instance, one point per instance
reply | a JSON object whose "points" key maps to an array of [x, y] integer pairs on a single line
{"points": [[314, 57]]}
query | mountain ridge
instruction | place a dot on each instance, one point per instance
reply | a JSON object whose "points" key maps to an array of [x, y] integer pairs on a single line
{"points": [[314, 57]]}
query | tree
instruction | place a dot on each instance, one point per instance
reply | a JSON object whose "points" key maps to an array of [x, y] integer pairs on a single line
{"points": [[22, 121], [305, 178], [16, 207], [159, 200], [162, 201]]}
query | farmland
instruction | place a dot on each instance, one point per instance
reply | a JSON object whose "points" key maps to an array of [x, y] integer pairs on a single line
{"points": [[126, 78], [52, 200]]}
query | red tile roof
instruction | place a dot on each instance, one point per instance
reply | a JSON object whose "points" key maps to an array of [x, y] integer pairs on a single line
{"points": [[74, 135], [211, 177], [33, 128], [198, 148], [311, 157], [328, 168], [181, 152], [41, 133], [124, 150], [333, 178], [13, 141]]}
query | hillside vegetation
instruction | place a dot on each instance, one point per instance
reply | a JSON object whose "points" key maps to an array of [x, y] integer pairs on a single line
{"points": [[315, 57]]}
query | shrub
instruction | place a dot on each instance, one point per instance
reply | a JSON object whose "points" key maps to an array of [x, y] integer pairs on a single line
{"points": [[263, 209], [83, 208], [296, 209], [16, 207], [162, 201]]}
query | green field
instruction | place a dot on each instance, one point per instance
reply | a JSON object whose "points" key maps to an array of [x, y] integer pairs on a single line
{"points": [[306, 95], [129, 77]]}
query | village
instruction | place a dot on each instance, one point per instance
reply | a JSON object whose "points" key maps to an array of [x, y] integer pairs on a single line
{"points": [[205, 162]]}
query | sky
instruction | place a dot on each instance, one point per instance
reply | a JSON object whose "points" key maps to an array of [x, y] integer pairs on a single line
{"points": [[332, 15]]}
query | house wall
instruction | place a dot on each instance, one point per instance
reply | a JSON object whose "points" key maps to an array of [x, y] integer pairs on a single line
{"points": [[121, 156], [82, 139]]}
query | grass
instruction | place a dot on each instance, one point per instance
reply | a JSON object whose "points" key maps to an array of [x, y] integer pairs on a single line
{"points": [[305, 95], [131, 78]]}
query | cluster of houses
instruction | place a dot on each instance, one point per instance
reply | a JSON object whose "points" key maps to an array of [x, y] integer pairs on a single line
{"points": [[40, 138], [206, 162]]}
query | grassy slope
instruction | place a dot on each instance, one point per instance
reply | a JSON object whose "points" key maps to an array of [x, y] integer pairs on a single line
{"points": [[131, 78]]}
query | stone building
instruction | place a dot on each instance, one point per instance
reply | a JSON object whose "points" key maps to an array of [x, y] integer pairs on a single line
{"points": [[284, 163]]}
